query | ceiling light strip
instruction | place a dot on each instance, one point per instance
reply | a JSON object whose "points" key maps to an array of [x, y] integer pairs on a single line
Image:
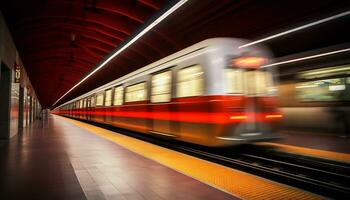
{"points": [[307, 57], [149, 27], [297, 29]]}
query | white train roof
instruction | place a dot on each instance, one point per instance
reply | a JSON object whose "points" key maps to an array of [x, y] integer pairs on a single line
{"points": [[203, 45]]}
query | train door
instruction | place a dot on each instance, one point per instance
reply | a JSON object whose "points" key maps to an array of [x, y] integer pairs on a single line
{"points": [[82, 109], [108, 106], [93, 109], [161, 104], [87, 108], [258, 84], [191, 106], [248, 78]]}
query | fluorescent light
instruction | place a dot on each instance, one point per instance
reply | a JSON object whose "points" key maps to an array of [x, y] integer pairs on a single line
{"points": [[308, 57], [297, 29], [329, 71], [149, 27], [305, 86]]}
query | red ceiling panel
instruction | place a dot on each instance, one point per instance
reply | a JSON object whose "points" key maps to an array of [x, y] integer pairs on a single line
{"points": [[62, 40]]}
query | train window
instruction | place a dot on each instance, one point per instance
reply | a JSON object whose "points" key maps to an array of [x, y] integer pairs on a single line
{"points": [[335, 89], [108, 97], [93, 101], [118, 96], [88, 102], [233, 81], [136, 92], [161, 87], [99, 99], [258, 82], [190, 81], [77, 104]]}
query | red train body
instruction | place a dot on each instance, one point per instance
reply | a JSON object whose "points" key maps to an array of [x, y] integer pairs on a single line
{"points": [[198, 110]]}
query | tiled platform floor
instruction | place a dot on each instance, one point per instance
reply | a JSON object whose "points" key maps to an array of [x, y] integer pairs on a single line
{"points": [[58, 160]]}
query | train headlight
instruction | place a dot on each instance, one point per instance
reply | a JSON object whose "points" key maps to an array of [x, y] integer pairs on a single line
{"points": [[249, 62]]}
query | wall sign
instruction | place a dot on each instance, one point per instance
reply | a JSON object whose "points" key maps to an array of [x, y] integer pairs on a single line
{"points": [[17, 74]]}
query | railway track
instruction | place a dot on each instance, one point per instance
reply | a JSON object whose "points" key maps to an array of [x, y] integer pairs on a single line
{"points": [[333, 182], [325, 177]]}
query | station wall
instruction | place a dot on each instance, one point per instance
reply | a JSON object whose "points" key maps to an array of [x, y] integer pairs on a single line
{"points": [[18, 101]]}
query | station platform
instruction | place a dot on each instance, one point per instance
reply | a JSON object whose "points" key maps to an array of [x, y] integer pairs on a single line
{"points": [[61, 158], [336, 143], [333, 147]]}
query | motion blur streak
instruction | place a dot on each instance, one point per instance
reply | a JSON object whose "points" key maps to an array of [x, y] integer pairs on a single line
{"points": [[297, 28], [307, 57], [239, 117], [194, 117], [273, 116]]}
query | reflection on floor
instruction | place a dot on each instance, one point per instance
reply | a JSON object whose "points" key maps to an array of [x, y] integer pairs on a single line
{"points": [[59, 160]]}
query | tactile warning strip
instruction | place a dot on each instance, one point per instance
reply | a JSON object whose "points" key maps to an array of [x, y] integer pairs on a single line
{"points": [[310, 152], [237, 183]]}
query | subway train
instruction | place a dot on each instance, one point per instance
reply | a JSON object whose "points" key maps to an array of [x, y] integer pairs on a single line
{"points": [[212, 93], [316, 100]]}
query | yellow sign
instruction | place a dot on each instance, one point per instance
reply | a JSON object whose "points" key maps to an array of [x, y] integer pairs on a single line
{"points": [[17, 74]]}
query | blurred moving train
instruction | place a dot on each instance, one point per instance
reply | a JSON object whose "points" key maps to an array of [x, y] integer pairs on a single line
{"points": [[212, 93], [315, 97]]}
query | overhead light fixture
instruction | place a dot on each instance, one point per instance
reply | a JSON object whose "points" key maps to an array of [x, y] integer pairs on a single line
{"points": [[135, 38], [307, 57], [297, 29]]}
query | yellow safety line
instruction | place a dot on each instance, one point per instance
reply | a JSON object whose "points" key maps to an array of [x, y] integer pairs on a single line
{"points": [[311, 152], [237, 183]]}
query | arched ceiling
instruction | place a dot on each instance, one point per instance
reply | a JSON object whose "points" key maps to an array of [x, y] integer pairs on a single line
{"points": [[60, 41]]}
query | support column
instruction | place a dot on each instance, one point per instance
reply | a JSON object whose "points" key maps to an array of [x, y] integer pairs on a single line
{"points": [[20, 108], [30, 109]]}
